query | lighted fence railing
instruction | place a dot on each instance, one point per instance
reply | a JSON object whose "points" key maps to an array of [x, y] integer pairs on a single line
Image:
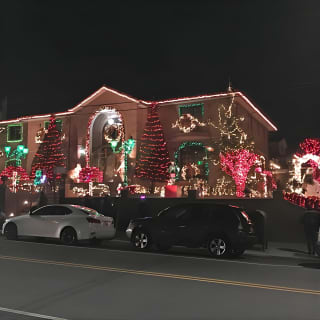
{"points": [[301, 200]]}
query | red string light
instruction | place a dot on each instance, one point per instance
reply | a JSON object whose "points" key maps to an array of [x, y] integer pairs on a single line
{"points": [[237, 165], [153, 161], [49, 154]]}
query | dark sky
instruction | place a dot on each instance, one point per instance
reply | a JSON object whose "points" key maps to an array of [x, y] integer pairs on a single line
{"points": [[55, 53]]}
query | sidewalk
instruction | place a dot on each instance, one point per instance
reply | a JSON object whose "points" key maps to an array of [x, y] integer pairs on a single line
{"points": [[283, 249]]}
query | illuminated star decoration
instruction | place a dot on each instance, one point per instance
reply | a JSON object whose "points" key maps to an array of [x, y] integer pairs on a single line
{"points": [[237, 165]]}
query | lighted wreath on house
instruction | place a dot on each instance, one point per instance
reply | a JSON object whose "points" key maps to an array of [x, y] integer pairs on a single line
{"points": [[113, 132], [187, 123]]}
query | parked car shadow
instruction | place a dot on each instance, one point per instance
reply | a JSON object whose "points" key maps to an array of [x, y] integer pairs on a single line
{"points": [[292, 250], [312, 265]]}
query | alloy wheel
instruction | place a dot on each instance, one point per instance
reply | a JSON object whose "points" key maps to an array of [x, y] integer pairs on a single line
{"points": [[141, 240], [217, 247], [68, 236]]}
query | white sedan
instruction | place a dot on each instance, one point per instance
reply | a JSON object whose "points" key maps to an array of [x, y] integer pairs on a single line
{"points": [[68, 223]]}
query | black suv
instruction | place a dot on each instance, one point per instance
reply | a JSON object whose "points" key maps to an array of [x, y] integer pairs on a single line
{"points": [[225, 230]]}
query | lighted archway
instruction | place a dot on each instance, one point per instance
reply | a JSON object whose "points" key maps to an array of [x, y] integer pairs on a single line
{"points": [[177, 156], [104, 115]]}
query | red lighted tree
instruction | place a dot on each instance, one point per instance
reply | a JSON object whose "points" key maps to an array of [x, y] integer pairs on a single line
{"points": [[153, 158], [49, 154], [310, 146], [237, 165]]}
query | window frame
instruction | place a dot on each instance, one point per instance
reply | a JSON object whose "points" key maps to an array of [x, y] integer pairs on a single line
{"points": [[20, 125], [192, 106], [47, 122]]}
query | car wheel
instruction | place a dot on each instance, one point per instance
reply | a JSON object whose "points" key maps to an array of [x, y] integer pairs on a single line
{"points": [[11, 231], [68, 236], [141, 240], [219, 246], [237, 252]]}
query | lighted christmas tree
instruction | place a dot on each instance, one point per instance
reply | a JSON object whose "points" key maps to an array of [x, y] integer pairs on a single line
{"points": [[153, 159], [237, 165], [309, 146], [49, 154], [232, 136]]}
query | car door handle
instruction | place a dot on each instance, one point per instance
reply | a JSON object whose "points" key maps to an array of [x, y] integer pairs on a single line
{"points": [[182, 226]]}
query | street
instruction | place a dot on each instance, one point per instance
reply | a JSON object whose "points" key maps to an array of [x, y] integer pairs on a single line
{"points": [[47, 280]]}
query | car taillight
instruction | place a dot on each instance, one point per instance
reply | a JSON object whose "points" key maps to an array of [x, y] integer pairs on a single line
{"points": [[92, 220], [246, 217]]}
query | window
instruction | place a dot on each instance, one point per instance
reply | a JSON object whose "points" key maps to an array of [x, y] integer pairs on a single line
{"points": [[52, 211], [14, 133], [195, 109], [58, 122], [59, 211]]}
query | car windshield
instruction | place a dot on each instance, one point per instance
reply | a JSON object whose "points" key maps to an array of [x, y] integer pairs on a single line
{"points": [[87, 210]]}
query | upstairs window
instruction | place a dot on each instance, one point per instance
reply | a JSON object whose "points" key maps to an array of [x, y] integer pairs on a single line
{"points": [[195, 109], [58, 122], [14, 132]]}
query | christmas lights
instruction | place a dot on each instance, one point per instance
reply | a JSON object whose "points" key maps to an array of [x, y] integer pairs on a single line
{"points": [[113, 132], [90, 121], [237, 165], [224, 187], [90, 174], [187, 99], [191, 144], [187, 123], [74, 174], [14, 157], [309, 146], [39, 135], [15, 175], [189, 170], [232, 136], [153, 159], [49, 154]]}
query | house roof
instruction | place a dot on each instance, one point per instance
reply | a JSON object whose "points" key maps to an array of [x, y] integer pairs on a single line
{"points": [[251, 108]]}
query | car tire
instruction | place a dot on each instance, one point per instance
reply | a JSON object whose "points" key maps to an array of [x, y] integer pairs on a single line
{"points": [[68, 236], [219, 246], [237, 252], [141, 240], [11, 231]]}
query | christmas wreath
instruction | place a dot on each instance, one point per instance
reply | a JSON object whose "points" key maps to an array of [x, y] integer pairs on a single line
{"points": [[187, 123], [113, 132]]}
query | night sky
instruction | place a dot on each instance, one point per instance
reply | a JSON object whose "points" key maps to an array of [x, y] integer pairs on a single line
{"points": [[55, 53]]}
